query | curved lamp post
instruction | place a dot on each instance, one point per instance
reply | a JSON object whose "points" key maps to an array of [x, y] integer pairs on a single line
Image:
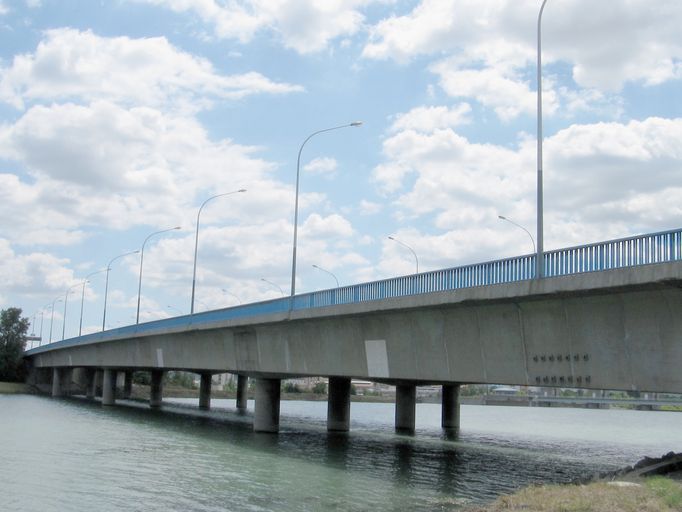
{"points": [[502, 217], [106, 285], [52, 317], [539, 263], [298, 174], [273, 284], [232, 294], [66, 298], [85, 281], [42, 317], [328, 272], [139, 285], [196, 242], [410, 248]]}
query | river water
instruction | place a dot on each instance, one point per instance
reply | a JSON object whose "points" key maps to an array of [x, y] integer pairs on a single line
{"points": [[73, 455]]}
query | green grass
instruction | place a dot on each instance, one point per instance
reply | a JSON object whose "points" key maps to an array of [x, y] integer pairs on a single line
{"points": [[668, 491]]}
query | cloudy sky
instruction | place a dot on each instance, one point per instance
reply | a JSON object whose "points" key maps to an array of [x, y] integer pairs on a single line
{"points": [[118, 118]]}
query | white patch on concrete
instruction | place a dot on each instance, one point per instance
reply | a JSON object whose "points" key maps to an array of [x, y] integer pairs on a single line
{"points": [[377, 358], [159, 357], [70, 361]]}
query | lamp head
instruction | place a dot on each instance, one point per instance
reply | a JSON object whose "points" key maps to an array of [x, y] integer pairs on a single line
{"points": [[502, 217], [241, 190], [356, 123]]}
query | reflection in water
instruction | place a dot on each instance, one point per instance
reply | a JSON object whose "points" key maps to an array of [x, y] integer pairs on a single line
{"points": [[74, 455]]}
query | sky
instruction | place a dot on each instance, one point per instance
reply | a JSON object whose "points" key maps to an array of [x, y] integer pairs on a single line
{"points": [[119, 118]]}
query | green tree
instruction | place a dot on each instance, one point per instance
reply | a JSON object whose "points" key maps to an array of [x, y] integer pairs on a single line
{"points": [[13, 331]]}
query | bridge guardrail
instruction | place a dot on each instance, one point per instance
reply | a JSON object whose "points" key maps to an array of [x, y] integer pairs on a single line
{"points": [[661, 247]]}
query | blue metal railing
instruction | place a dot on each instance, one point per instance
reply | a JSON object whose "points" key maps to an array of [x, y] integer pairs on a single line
{"points": [[662, 247]]}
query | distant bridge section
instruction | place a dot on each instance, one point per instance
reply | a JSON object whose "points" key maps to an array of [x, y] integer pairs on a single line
{"points": [[606, 316]]}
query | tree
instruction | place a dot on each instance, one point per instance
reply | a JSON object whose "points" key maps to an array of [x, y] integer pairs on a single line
{"points": [[13, 331]]}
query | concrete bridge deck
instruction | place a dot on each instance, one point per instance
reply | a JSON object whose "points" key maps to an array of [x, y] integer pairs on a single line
{"points": [[618, 328]]}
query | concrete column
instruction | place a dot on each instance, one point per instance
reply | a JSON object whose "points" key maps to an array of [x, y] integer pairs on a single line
{"points": [[109, 386], [156, 389], [127, 384], [242, 388], [99, 380], [91, 384], [57, 384], [266, 415], [450, 408], [405, 403], [338, 404], [205, 391]]}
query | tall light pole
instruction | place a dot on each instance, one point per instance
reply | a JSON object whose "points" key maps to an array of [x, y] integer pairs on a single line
{"points": [[196, 242], [106, 284], [85, 281], [233, 295], [502, 217], [139, 286], [539, 263], [328, 272], [66, 298], [273, 284], [52, 317], [298, 174], [410, 248], [42, 316]]}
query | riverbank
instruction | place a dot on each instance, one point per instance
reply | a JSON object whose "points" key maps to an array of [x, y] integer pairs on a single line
{"points": [[13, 388], [652, 485]]}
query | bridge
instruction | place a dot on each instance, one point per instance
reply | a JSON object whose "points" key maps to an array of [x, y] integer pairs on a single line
{"points": [[604, 316]]}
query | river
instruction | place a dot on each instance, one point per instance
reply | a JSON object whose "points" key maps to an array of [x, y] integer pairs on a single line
{"points": [[73, 455]]}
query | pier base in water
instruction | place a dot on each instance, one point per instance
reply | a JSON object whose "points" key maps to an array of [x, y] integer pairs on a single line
{"points": [[450, 408], [156, 389], [242, 388], [205, 391], [338, 404], [405, 403], [109, 387], [266, 415], [57, 382]]}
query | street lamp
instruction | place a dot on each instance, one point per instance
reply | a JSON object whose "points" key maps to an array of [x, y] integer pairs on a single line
{"points": [[298, 173], [410, 248], [52, 317], [106, 285], [85, 281], [328, 272], [139, 286], [42, 317], [539, 263], [273, 284], [66, 298], [502, 217], [196, 242], [233, 294]]}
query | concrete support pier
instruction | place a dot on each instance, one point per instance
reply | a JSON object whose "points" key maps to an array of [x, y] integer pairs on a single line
{"points": [[91, 383], [205, 391], [266, 415], [109, 387], [242, 388], [338, 404], [57, 382], [450, 408], [99, 378], [156, 389], [405, 403], [127, 384]]}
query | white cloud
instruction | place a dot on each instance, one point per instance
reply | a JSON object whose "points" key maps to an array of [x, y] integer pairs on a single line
{"points": [[73, 65], [322, 166], [493, 46], [601, 181], [306, 26], [369, 207], [426, 119], [32, 275]]}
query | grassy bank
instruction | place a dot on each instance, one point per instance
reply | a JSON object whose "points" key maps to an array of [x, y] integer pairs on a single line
{"points": [[11, 388], [654, 494]]}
